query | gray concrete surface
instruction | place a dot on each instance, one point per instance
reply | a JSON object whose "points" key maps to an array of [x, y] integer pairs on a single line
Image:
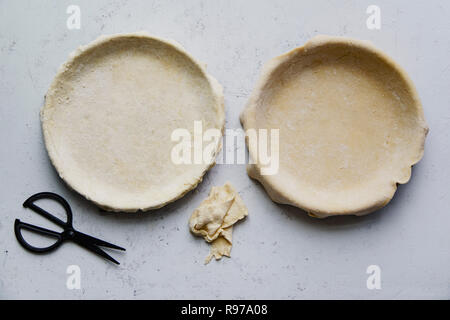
{"points": [[279, 252]]}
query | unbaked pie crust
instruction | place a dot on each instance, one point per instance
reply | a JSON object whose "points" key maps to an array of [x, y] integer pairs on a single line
{"points": [[351, 126], [109, 114]]}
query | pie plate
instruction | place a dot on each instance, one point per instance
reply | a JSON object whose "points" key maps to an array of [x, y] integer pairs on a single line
{"points": [[110, 113], [350, 125]]}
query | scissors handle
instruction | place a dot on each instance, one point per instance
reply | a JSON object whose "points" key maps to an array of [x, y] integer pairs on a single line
{"points": [[90, 243], [19, 225], [60, 237], [29, 203]]}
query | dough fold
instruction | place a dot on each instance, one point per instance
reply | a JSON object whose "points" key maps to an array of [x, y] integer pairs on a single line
{"points": [[214, 219]]}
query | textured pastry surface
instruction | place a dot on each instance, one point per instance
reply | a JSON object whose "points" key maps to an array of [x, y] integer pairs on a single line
{"points": [[109, 114], [214, 219], [351, 126]]}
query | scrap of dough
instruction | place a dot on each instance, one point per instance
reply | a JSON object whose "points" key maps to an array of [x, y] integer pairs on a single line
{"points": [[214, 219], [350, 125], [110, 113]]}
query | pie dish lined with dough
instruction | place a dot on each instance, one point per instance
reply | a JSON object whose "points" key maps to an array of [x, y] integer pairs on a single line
{"points": [[109, 115], [350, 124]]}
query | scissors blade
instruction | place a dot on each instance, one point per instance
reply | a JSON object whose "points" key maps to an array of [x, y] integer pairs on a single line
{"points": [[93, 248], [96, 241]]}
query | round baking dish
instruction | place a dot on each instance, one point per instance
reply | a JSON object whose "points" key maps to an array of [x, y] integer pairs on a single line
{"points": [[350, 124], [109, 115]]}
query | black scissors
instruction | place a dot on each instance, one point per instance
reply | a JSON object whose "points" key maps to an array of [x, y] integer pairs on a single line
{"points": [[69, 233]]}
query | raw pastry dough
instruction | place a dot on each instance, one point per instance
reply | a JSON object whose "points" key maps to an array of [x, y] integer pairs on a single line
{"points": [[351, 126], [109, 114], [214, 219]]}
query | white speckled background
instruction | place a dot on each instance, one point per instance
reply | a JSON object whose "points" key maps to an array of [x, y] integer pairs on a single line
{"points": [[278, 252]]}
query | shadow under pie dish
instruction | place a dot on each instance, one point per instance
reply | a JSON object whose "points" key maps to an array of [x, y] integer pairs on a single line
{"points": [[350, 125], [109, 115]]}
